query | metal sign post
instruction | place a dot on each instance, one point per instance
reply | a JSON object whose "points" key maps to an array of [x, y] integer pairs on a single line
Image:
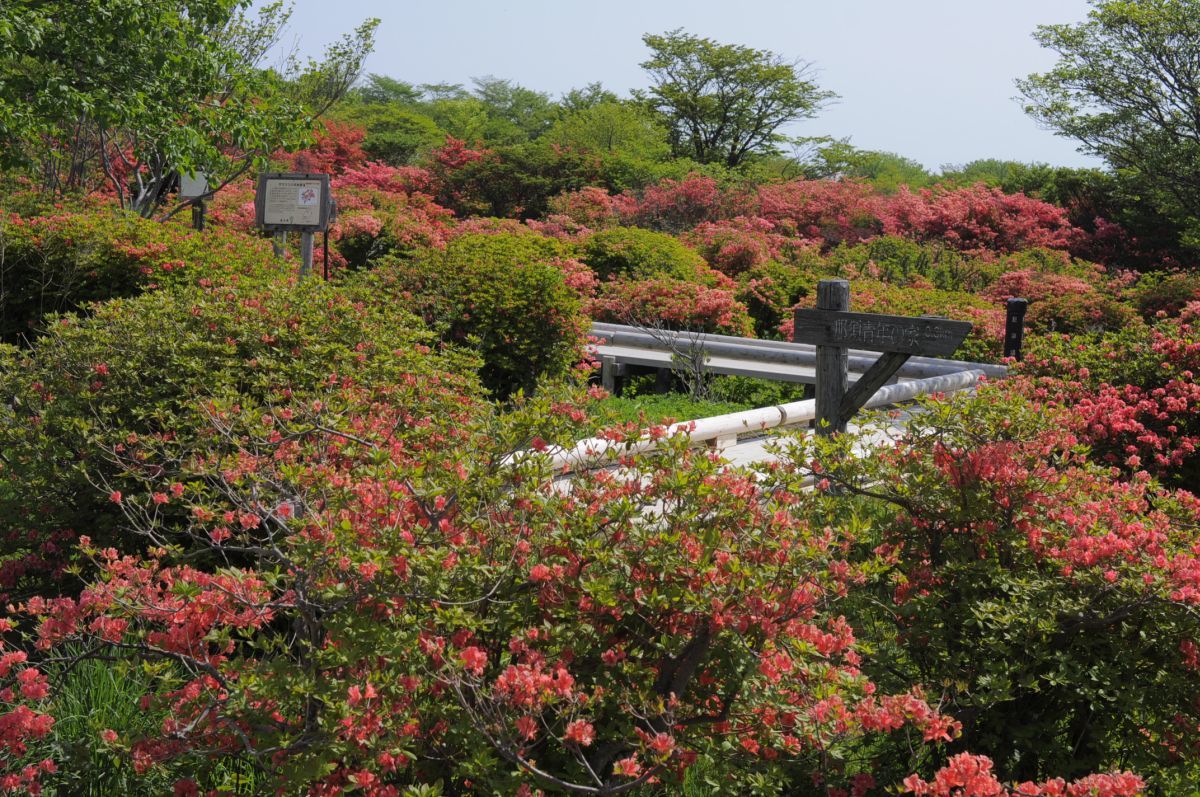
{"points": [[834, 330], [294, 202], [194, 187]]}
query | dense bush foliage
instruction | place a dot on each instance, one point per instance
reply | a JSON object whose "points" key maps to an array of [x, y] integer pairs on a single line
{"points": [[142, 370], [59, 262], [504, 294], [640, 254], [1049, 604]]}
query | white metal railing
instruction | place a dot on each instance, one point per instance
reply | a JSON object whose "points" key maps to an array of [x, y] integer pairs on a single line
{"points": [[721, 431]]}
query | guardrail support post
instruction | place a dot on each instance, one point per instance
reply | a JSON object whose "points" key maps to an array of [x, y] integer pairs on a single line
{"points": [[833, 362]]}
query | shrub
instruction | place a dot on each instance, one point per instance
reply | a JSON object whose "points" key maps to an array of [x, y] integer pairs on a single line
{"points": [[504, 294], [1156, 295], [631, 252], [736, 245], [60, 263], [902, 261], [771, 291], [593, 207], [673, 304], [978, 219], [829, 211], [143, 369], [1048, 604], [678, 205], [418, 612]]}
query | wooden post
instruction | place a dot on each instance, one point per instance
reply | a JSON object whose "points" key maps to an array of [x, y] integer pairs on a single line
{"points": [[198, 214], [662, 380], [306, 253], [279, 243], [833, 362], [608, 374], [1014, 326]]}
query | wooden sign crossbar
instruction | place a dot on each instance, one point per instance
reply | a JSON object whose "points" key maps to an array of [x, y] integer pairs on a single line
{"points": [[834, 330]]}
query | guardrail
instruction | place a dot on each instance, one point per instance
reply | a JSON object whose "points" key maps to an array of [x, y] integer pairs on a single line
{"points": [[794, 362], [721, 431]]}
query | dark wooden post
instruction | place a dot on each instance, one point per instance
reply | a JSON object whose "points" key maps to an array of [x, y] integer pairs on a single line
{"points": [[198, 214], [1014, 326], [833, 362]]}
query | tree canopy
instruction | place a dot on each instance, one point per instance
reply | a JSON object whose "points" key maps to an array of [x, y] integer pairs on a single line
{"points": [[149, 89], [726, 101], [1127, 88]]}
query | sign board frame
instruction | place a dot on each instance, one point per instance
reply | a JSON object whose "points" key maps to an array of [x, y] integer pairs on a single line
{"points": [[270, 202]]}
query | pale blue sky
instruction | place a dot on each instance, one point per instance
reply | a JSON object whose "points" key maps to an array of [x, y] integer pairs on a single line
{"points": [[928, 79]]}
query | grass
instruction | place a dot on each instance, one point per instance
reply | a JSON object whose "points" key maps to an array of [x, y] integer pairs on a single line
{"points": [[725, 394]]}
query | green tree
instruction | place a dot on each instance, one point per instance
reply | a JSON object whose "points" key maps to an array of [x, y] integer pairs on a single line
{"points": [[613, 126], [1127, 88], [396, 133], [725, 102], [140, 91], [887, 171]]}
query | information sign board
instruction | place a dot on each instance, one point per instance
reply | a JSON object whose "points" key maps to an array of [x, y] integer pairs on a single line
{"points": [[298, 202]]}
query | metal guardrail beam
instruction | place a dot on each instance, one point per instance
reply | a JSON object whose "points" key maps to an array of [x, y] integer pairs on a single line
{"points": [[780, 352]]}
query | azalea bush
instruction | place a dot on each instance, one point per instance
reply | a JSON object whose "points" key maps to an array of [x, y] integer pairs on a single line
{"points": [[670, 304], [1133, 393], [642, 254], [137, 370], [61, 262], [381, 610], [1048, 606], [506, 295]]}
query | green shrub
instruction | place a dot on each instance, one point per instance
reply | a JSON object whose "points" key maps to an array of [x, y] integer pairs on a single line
{"points": [[504, 294], [1159, 293], [642, 254], [1088, 312], [146, 368], [770, 291], [59, 263]]}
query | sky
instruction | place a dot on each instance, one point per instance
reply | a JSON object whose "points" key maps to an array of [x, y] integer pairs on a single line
{"points": [[931, 80]]}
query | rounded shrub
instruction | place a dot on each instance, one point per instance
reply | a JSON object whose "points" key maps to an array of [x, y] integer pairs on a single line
{"points": [[1167, 296], [504, 294], [641, 254], [87, 394], [59, 263]]}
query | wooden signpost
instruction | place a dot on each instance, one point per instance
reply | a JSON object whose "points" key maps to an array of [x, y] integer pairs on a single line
{"points": [[834, 330], [294, 202]]}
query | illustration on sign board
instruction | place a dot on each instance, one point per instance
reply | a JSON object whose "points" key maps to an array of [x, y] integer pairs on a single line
{"points": [[308, 196]]}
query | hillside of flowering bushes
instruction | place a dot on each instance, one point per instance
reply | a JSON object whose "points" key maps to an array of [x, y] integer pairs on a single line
{"points": [[261, 535]]}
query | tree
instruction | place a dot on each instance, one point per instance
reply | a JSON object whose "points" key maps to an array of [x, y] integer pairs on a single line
{"points": [[613, 126], [887, 171], [138, 92], [726, 101], [1127, 88]]}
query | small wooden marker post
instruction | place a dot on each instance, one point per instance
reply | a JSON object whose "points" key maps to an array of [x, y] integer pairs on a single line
{"points": [[834, 330], [1014, 326]]}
